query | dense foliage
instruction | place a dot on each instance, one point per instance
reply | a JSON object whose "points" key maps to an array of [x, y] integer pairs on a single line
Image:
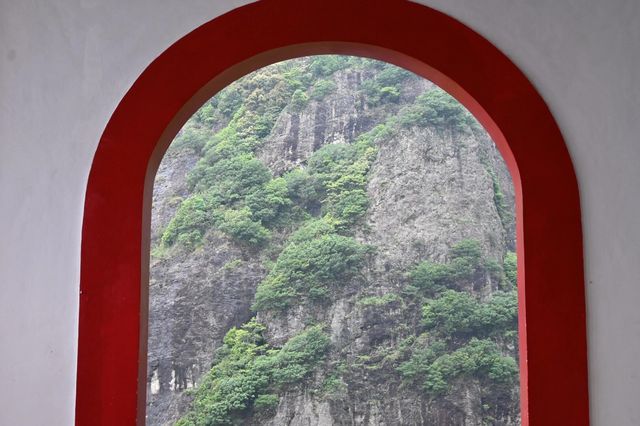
{"points": [[465, 266], [237, 195], [479, 359], [456, 315], [308, 270], [464, 335], [230, 177], [247, 372], [319, 256], [511, 268], [306, 225], [438, 109], [386, 86]]}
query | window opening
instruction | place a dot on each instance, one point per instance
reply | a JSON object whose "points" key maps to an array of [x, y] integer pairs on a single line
{"points": [[333, 242]]}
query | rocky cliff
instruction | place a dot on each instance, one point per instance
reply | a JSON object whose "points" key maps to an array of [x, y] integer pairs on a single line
{"points": [[332, 243]]}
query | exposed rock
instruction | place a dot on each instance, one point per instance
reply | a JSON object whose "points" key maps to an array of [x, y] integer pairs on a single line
{"points": [[170, 188], [428, 189], [195, 298]]}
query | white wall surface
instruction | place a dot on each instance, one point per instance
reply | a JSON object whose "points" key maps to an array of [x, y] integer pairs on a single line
{"points": [[65, 65]]}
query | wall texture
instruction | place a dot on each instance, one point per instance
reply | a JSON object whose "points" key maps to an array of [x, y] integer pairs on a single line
{"points": [[65, 66]]}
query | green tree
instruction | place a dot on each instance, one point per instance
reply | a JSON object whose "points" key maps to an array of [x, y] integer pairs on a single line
{"points": [[303, 189], [308, 269], [511, 268], [298, 356], [430, 278], [299, 101], [437, 108], [453, 314], [313, 229], [234, 177], [330, 162], [498, 317], [247, 373], [479, 358], [269, 202], [325, 65], [322, 88], [240, 225], [194, 216]]}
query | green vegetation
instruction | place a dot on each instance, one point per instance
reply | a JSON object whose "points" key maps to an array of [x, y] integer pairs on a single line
{"points": [[511, 268], [325, 65], [385, 87], [299, 100], [266, 403], [456, 315], [228, 101], [333, 386], [322, 88], [313, 229], [376, 301], [506, 217], [479, 359], [331, 162], [232, 265], [231, 188], [341, 173], [423, 355], [239, 225], [439, 109], [309, 269], [236, 194], [230, 194], [247, 372], [298, 357], [302, 189], [452, 314], [229, 179], [463, 334], [318, 258], [302, 224], [466, 264], [190, 221], [269, 203], [193, 136]]}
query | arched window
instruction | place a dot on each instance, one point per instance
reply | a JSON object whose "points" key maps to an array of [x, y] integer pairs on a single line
{"points": [[114, 263]]}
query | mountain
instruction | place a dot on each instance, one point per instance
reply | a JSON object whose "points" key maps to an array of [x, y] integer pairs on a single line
{"points": [[333, 243]]}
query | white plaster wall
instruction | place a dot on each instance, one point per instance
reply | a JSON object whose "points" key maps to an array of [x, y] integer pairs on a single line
{"points": [[65, 65]]}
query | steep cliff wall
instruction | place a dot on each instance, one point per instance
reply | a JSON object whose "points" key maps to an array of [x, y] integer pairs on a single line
{"points": [[365, 222]]}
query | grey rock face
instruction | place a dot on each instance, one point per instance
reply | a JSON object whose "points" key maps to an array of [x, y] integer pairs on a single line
{"points": [[170, 188], [428, 189], [195, 298], [339, 117], [440, 195]]}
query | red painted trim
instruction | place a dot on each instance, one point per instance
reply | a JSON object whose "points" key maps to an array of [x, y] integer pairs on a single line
{"points": [[114, 263]]}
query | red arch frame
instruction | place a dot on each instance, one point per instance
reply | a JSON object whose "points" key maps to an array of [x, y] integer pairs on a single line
{"points": [[114, 258]]}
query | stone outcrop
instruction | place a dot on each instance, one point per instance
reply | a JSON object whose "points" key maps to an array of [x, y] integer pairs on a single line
{"points": [[428, 188]]}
